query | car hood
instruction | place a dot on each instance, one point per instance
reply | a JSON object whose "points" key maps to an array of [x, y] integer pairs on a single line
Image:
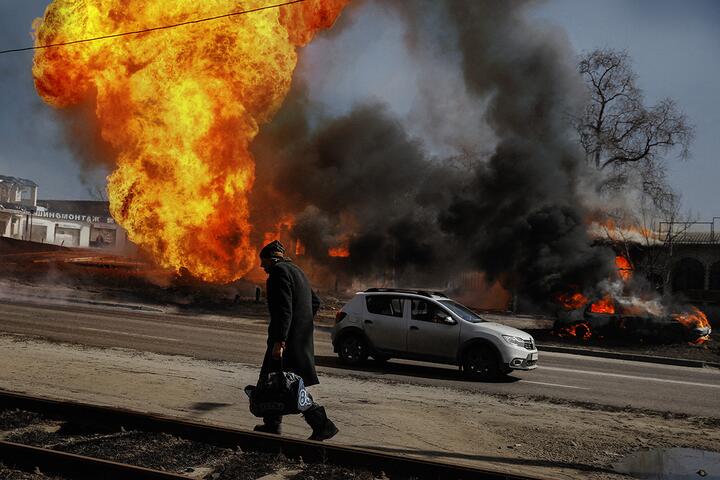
{"points": [[500, 329]]}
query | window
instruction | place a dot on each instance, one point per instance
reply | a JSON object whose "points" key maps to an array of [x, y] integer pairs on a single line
{"points": [[385, 305], [462, 311], [426, 311]]}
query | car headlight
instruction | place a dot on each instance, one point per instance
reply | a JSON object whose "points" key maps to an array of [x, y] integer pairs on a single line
{"points": [[514, 340]]}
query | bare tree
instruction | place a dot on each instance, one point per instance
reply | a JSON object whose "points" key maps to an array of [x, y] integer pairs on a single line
{"points": [[620, 135]]}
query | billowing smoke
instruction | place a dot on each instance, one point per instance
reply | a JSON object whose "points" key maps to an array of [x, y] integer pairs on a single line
{"points": [[359, 181], [83, 138], [364, 179], [526, 198]]}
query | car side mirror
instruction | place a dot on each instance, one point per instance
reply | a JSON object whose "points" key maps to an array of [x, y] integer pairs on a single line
{"points": [[448, 320]]}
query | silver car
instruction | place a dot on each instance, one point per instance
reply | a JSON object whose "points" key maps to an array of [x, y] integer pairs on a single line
{"points": [[428, 326]]}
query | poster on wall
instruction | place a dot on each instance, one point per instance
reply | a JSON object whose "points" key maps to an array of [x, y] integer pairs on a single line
{"points": [[102, 237]]}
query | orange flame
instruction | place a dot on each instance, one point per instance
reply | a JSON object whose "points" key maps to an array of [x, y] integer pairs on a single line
{"points": [[299, 248], [581, 330], [339, 252], [600, 226], [624, 268], [571, 301], [604, 305], [181, 106], [694, 318]]}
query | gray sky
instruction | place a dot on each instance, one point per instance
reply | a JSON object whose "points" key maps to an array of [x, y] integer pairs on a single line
{"points": [[674, 45]]}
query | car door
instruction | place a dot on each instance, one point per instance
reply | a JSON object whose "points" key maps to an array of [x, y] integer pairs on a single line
{"points": [[385, 322], [428, 333]]}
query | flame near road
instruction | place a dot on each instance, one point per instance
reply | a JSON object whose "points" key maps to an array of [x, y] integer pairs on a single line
{"points": [[693, 318], [690, 317], [181, 106]]}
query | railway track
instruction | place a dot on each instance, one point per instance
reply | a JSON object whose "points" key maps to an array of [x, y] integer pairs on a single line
{"points": [[69, 439]]}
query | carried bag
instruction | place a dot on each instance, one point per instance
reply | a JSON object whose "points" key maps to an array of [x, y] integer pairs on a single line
{"points": [[279, 393]]}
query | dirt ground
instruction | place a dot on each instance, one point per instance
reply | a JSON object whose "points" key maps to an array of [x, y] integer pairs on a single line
{"points": [[519, 435]]}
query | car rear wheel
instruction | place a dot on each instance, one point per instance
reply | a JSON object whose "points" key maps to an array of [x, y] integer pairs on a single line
{"points": [[353, 349], [481, 363]]}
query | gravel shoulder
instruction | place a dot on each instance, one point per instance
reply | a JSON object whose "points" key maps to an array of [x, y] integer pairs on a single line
{"points": [[523, 435]]}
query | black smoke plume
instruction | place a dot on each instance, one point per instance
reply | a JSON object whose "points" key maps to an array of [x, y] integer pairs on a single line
{"points": [[516, 214]]}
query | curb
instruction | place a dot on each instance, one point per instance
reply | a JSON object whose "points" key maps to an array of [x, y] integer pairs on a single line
{"points": [[629, 356]]}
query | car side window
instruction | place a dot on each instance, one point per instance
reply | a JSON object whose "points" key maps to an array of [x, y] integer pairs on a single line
{"points": [[426, 311], [385, 305]]}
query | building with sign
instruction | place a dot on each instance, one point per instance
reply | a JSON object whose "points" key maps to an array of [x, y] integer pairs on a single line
{"points": [[68, 223]]}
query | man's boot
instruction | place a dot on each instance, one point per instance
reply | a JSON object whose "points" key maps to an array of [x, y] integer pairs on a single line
{"points": [[322, 427], [270, 425]]}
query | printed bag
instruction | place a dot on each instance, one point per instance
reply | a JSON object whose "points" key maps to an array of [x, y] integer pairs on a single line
{"points": [[280, 393]]}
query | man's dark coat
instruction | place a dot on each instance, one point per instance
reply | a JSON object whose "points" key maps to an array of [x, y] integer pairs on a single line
{"points": [[292, 306]]}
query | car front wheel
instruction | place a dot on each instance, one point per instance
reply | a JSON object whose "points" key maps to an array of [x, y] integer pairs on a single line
{"points": [[353, 350], [481, 363]]}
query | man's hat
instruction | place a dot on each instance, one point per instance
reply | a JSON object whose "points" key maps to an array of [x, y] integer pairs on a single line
{"points": [[274, 249]]}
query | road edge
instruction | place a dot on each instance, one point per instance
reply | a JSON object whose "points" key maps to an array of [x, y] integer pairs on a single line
{"points": [[635, 357]]}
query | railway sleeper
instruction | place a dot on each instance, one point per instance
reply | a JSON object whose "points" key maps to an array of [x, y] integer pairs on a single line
{"points": [[182, 449]]}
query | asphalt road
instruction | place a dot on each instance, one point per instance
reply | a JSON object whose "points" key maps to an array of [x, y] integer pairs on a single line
{"points": [[599, 381]]}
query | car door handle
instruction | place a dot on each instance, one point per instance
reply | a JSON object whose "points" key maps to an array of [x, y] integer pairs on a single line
{"points": [[369, 322], [414, 328]]}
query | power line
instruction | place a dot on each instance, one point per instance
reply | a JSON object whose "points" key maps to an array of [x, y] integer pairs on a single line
{"points": [[152, 29]]}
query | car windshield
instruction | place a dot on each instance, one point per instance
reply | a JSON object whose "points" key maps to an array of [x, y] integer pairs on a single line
{"points": [[462, 311]]}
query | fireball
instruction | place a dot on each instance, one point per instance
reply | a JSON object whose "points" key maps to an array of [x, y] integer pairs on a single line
{"points": [[181, 106]]}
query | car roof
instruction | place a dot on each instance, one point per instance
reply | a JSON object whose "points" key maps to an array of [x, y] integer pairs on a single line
{"points": [[405, 292]]}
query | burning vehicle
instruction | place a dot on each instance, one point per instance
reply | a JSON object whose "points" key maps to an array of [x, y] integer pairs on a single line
{"points": [[629, 318], [622, 310]]}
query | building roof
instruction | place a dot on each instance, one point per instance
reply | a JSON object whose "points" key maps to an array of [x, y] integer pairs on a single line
{"points": [[17, 207], [19, 181], [699, 238], [85, 207]]}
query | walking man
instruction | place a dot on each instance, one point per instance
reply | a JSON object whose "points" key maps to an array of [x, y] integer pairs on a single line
{"points": [[292, 306]]}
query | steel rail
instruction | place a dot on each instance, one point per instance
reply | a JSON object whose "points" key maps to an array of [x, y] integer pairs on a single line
{"points": [[311, 452], [76, 467]]}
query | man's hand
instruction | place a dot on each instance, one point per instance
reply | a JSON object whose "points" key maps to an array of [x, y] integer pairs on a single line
{"points": [[277, 350]]}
